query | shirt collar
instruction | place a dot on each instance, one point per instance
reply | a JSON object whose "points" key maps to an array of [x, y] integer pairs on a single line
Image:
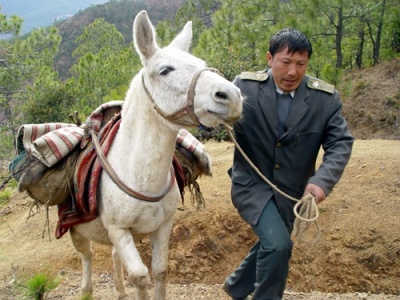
{"points": [[278, 90]]}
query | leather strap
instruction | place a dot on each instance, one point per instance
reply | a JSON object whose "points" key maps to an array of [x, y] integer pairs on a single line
{"points": [[114, 177], [189, 108]]}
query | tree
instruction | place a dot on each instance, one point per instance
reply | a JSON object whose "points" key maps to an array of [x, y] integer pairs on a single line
{"points": [[395, 37], [329, 23], [36, 73], [196, 11], [9, 26], [360, 48], [217, 44], [97, 36], [104, 64], [56, 103], [22, 62], [374, 18], [238, 39]]}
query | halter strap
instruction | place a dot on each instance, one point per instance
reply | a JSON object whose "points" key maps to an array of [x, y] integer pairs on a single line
{"points": [[189, 108]]}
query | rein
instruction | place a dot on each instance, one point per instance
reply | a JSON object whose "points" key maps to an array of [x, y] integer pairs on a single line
{"points": [[308, 212], [114, 177], [188, 109]]}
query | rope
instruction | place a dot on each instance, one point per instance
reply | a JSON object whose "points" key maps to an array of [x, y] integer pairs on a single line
{"points": [[305, 216], [305, 209]]}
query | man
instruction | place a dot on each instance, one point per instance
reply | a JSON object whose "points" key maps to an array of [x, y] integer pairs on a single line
{"points": [[287, 117]]}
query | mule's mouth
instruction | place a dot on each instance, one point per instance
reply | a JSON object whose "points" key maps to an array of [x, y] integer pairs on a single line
{"points": [[224, 117]]}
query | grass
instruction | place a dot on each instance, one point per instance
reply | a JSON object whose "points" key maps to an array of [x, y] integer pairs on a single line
{"points": [[27, 286], [86, 296], [40, 285], [5, 196], [7, 184]]}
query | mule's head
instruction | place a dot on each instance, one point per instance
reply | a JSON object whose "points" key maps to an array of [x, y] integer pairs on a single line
{"points": [[183, 90]]}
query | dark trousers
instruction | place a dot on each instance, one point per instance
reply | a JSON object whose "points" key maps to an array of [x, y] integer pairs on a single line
{"points": [[264, 270]]}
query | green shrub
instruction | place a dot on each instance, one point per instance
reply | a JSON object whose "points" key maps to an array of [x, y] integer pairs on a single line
{"points": [[391, 102], [5, 196], [331, 74], [40, 285], [86, 296], [361, 87], [12, 184], [7, 143]]}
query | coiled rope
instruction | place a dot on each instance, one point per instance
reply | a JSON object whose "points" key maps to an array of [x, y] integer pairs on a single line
{"points": [[305, 209]]}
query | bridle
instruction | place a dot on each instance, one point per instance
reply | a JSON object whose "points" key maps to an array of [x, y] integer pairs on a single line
{"points": [[188, 110]]}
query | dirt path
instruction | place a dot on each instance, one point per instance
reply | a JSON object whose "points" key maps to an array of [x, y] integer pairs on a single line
{"points": [[357, 257]]}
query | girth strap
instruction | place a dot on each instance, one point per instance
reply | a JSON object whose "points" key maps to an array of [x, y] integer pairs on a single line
{"points": [[114, 177]]}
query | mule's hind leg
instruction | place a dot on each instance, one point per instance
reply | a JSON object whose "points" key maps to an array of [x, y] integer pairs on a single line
{"points": [[82, 245], [138, 274], [119, 282], [159, 241]]}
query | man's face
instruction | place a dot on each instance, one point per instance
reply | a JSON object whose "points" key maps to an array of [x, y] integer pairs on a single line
{"points": [[288, 69]]}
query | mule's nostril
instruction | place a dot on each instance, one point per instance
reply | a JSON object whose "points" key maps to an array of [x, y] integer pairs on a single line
{"points": [[221, 95]]}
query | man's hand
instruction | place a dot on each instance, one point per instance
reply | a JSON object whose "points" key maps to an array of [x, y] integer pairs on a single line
{"points": [[316, 191]]}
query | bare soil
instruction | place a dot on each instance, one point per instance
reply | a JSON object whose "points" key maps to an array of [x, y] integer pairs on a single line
{"points": [[357, 256]]}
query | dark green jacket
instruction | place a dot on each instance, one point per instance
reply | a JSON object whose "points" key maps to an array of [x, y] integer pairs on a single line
{"points": [[289, 161]]}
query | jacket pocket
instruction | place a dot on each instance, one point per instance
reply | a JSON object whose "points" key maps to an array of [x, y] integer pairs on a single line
{"points": [[241, 188], [242, 180]]}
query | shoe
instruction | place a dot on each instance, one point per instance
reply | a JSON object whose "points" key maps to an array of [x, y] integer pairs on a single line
{"points": [[225, 288]]}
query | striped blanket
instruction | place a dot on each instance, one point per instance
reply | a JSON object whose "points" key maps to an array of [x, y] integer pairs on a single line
{"points": [[51, 142]]}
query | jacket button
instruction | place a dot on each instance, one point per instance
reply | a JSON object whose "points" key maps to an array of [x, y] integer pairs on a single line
{"points": [[278, 144], [277, 166]]}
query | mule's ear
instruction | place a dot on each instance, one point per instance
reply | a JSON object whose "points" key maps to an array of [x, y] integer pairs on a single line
{"points": [[144, 36], [184, 39]]}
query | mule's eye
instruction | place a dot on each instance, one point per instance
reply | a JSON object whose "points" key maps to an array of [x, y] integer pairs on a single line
{"points": [[166, 70]]}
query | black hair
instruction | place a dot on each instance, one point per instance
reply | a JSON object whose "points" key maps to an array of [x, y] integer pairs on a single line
{"points": [[293, 39]]}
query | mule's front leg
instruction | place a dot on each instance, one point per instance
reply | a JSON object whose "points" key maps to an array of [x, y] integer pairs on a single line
{"points": [[160, 240], [138, 273], [82, 245]]}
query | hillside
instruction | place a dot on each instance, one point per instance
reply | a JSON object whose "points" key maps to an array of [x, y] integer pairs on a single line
{"points": [[371, 101], [119, 13]]}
